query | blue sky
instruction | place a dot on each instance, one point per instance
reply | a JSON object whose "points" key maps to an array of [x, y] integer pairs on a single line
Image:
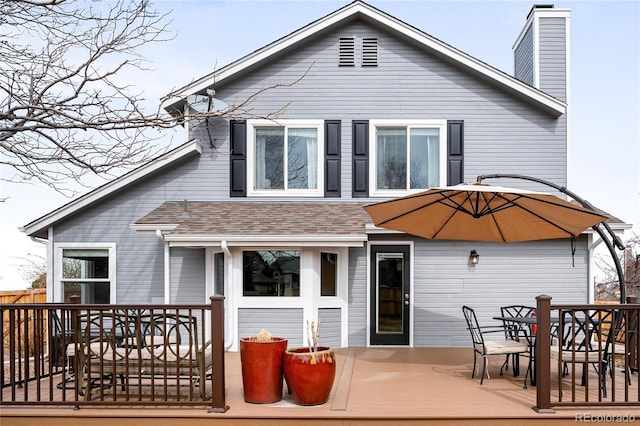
{"points": [[604, 107]]}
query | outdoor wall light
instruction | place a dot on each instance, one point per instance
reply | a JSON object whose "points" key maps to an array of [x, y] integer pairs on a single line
{"points": [[474, 257]]}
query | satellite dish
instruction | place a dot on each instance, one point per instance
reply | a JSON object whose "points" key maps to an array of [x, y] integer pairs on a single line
{"points": [[202, 104]]}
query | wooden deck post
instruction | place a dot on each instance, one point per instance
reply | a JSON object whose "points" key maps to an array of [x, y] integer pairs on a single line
{"points": [[218, 404], [76, 361], [543, 355]]}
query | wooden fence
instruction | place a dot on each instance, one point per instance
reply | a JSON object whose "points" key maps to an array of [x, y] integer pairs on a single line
{"points": [[24, 296], [17, 297]]}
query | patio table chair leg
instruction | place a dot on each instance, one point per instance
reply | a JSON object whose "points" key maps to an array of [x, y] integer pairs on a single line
{"points": [[530, 374], [506, 364], [473, 372], [485, 370], [515, 365], [70, 380]]}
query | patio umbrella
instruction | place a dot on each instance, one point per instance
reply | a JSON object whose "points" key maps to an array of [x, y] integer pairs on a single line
{"points": [[481, 212]]}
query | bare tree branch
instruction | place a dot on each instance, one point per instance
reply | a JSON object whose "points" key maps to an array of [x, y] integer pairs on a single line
{"points": [[608, 287], [33, 268], [64, 109]]}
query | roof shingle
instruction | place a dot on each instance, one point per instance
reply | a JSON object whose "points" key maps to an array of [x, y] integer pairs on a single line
{"points": [[260, 218]]}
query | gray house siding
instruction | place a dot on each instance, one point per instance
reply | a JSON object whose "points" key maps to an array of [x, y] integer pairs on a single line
{"points": [[553, 58], [287, 323], [523, 58], [506, 275], [330, 327], [187, 279]]}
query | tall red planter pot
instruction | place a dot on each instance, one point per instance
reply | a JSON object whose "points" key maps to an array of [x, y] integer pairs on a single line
{"points": [[309, 377], [262, 369]]}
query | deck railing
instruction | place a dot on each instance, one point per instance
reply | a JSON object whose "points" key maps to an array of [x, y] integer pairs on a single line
{"points": [[590, 358], [120, 355]]}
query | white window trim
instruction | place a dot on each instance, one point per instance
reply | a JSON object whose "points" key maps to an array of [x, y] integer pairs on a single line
{"points": [[272, 301], [441, 125], [58, 251], [251, 143], [412, 290]]}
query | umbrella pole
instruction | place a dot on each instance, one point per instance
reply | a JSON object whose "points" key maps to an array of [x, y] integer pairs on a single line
{"points": [[615, 240]]}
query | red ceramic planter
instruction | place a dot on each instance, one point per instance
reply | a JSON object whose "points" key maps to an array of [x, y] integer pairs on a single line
{"points": [[262, 369], [309, 377]]}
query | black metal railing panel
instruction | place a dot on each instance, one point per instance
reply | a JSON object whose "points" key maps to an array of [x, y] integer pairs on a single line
{"points": [[79, 354], [589, 359]]}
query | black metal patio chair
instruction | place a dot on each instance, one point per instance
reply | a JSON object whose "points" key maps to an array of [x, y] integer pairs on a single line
{"points": [[520, 331], [588, 338], [490, 346]]}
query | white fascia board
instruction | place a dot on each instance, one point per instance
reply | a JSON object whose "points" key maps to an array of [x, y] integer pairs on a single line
{"points": [[620, 227], [553, 13], [372, 229], [111, 187], [504, 79], [267, 240]]}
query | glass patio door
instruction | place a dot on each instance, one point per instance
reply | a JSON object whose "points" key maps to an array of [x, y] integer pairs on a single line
{"points": [[390, 297]]}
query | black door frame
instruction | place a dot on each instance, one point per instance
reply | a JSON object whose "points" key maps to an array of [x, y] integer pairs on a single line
{"points": [[390, 338]]}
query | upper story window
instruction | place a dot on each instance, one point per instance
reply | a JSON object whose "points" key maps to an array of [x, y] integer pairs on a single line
{"points": [[285, 157], [407, 156]]}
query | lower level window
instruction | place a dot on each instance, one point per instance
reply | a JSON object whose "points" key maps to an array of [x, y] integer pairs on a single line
{"points": [[328, 274], [85, 273], [271, 273]]}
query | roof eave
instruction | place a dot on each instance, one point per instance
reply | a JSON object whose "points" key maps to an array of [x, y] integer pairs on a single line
{"points": [[39, 226]]}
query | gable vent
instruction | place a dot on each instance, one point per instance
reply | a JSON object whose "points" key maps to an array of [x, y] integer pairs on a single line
{"points": [[347, 52], [369, 52]]}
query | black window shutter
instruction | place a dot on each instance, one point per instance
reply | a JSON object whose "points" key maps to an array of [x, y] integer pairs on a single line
{"points": [[360, 170], [455, 152], [332, 144], [238, 170]]}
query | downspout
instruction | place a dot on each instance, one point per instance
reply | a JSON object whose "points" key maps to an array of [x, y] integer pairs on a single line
{"points": [[615, 240], [230, 331], [49, 262]]}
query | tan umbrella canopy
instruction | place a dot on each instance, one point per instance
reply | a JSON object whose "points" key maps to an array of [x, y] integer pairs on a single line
{"points": [[481, 212]]}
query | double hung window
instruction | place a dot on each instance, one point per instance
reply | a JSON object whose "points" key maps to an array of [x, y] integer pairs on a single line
{"points": [[407, 157], [87, 272], [285, 157]]}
